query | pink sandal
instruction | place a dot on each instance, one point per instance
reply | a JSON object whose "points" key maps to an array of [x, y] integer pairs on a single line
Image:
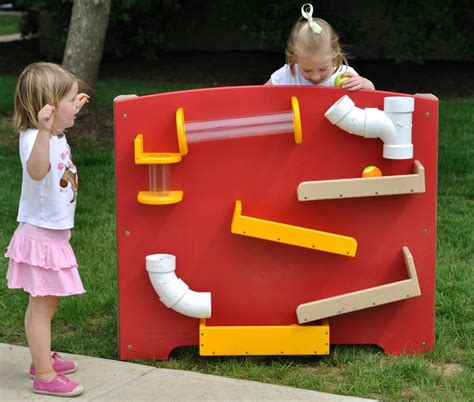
{"points": [[59, 386], [59, 365]]}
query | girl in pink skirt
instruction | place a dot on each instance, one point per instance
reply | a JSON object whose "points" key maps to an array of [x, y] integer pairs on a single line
{"points": [[41, 260]]}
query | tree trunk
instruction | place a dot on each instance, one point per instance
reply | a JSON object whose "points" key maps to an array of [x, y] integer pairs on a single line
{"points": [[85, 40]]}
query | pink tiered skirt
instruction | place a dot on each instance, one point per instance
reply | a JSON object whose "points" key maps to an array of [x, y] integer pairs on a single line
{"points": [[42, 262]]}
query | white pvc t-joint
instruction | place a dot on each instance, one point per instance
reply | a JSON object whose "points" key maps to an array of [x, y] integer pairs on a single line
{"points": [[173, 292], [393, 125]]}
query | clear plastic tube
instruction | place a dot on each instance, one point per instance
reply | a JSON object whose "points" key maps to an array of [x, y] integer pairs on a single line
{"points": [[211, 130], [159, 179]]}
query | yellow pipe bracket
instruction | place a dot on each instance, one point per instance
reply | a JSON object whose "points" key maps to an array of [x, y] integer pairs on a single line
{"points": [[298, 132], [156, 158], [182, 142]]}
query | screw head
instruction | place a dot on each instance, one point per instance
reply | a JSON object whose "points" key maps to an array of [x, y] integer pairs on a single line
{"points": [[129, 347], [127, 233]]}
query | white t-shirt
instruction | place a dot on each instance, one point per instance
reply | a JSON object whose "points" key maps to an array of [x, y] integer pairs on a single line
{"points": [[51, 202], [283, 76]]}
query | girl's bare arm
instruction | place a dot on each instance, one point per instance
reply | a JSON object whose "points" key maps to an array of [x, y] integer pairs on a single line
{"points": [[37, 165]]}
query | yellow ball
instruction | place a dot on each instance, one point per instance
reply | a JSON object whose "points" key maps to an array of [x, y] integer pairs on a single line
{"points": [[371, 171], [339, 80]]}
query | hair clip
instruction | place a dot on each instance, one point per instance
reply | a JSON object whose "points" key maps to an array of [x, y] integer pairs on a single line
{"points": [[307, 12]]}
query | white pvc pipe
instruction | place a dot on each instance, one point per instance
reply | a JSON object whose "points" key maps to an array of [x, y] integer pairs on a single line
{"points": [[399, 110], [392, 126], [173, 292]]}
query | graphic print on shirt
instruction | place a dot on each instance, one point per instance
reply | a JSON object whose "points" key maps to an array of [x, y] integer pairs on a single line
{"points": [[70, 173]]}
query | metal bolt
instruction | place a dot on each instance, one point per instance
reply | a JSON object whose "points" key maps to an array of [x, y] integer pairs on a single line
{"points": [[127, 233], [427, 114], [423, 343], [124, 116], [129, 347], [425, 230]]}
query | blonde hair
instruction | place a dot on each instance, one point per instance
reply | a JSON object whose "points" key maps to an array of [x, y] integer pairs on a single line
{"points": [[39, 84], [304, 42]]}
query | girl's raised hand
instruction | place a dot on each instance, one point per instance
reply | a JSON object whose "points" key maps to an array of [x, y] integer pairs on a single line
{"points": [[81, 99], [46, 118]]}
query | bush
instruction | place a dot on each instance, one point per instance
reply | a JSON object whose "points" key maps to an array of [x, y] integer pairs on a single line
{"points": [[425, 29]]}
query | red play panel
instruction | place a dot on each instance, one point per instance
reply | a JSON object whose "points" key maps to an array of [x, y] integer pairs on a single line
{"points": [[254, 281]]}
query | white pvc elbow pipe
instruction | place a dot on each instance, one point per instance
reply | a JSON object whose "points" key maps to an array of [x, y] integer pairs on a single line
{"points": [[173, 292], [392, 126]]}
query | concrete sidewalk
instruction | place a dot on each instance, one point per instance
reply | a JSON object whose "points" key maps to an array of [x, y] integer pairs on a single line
{"points": [[10, 38], [106, 380]]}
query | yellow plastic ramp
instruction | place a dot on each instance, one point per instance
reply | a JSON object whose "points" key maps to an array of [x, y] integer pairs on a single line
{"points": [[294, 235]]}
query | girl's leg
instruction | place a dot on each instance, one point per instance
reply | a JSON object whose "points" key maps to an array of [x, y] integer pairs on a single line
{"points": [[38, 318]]}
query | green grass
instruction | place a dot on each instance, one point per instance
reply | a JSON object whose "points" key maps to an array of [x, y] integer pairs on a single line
{"points": [[88, 324], [104, 94], [9, 24], [7, 89], [107, 90]]}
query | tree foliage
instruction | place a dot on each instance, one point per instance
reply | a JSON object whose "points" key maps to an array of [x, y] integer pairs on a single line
{"points": [[405, 30], [422, 29]]}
